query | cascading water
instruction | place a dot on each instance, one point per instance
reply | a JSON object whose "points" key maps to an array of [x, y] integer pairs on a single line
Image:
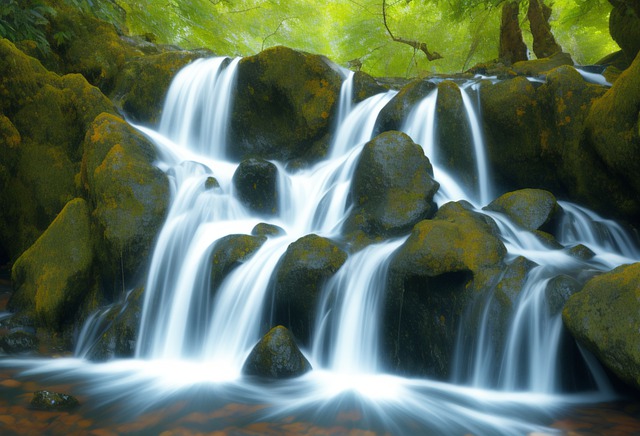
{"points": [[201, 331]]}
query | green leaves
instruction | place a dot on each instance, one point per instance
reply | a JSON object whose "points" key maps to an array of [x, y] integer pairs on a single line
{"points": [[25, 20]]}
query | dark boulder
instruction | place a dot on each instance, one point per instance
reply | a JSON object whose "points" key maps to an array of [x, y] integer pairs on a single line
{"points": [[256, 185], [392, 188], [18, 341], [624, 26], [392, 116], [365, 86], [265, 229], [229, 252], [306, 265], [531, 209], [276, 356], [558, 291]]}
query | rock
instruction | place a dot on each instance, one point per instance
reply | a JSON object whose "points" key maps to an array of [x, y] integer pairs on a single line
{"points": [[365, 86], [256, 184], [300, 275], [392, 187], [129, 194], [581, 252], [211, 183], [394, 113], [539, 67], [558, 291], [276, 356], [531, 209], [53, 401], [284, 105], [624, 26], [264, 229], [603, 317], [444, 264], [141, 85], [229, 252], [54, 275], [18, 341]]}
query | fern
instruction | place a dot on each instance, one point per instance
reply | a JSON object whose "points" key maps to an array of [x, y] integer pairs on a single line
{"points": [[25, 20]]}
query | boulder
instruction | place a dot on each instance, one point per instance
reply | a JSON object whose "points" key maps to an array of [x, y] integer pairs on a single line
{"points": [[229, 252], [265, 229], [603, 317], [531, 209], [444, 264], [53, 401], [18, 341], [365, 86], [558, 291], [624, 26], [300, 275], [392, 187], [276, 356], [54, 275], [128, 193], [394, 113], [539, 67], [284, 104], [256, 185]]}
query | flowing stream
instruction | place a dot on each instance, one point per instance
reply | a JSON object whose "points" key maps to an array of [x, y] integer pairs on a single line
{"points": [[189, 335]]}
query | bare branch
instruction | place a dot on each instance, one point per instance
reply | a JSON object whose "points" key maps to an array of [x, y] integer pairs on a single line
{"points": [[264, 40], [417, 45]]}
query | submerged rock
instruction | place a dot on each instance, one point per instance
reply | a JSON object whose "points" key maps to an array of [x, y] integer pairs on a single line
{"points": [[276, 356], [256, 184], [392, 187], [531, 209], [300, 275], [53, 401], [603, 317]]}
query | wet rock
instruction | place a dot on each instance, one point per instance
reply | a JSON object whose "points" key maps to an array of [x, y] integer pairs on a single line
{"points": [[211, 183], [306, 265], [265, 229], [284, 105], [392, 116], [581, 252], [558, 291], [18, 341], [53, 276], [53, 401], [229, 252], [256, 184], [129, 194], [276, 356], [365, 86], [392, 187], [433, 277], [538, 67], [603, 317], [531, 209], [141, 85]]}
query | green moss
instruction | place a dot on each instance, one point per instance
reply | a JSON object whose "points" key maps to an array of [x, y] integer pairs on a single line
{"points": [[229, 252], [539, 67], [531, 209]]}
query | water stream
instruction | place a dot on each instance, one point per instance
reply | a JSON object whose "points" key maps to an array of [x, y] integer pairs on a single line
{"points": [[189, 335]]}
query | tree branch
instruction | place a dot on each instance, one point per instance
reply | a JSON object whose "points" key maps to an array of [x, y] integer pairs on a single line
{"points": [[417, 45]]}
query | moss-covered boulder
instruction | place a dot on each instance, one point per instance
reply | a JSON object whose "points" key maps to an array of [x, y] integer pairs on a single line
{"points": [[531, 209], [392, 187], [53, 401], [365, 86], [453, 136], [433, 276], [624, 26], [276, 356], [266, 229], [283, 105], [41, 129], [394, 113], [229, 252], [54, 275], [538, 67], [142, 84], [604, 318], [300, 275], [256, 185], [613, 134], [128, 193]]}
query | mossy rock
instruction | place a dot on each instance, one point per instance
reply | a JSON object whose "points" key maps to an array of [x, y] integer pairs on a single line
{"points": [[18, 342], [539, 67], [558, 291], [603, 317], [276, 356], [142, 84], [284, 105], [581, 252], [453, 136], [300, 275], [392, 187], [229, 252], [256, 185], [624, 26], [394, 113], [53, 401], [443, 266], [365, 86], [531, 209], [612, 132], [265, 229], [54, 275], [129, 194]]}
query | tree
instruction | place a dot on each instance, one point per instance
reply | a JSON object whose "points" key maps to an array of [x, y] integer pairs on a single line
{"points": [[417, 45], [512, 47]]}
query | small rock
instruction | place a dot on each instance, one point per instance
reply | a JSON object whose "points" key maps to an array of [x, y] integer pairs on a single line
{"points": [[47, 400], [276, 356]]}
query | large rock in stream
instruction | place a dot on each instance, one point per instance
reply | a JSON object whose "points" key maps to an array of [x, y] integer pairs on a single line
{"points": [[276, 356], [604, 318]]}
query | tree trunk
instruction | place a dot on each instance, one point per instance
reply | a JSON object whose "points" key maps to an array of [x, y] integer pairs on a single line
{"points": [[512, 46], [544, 44]]}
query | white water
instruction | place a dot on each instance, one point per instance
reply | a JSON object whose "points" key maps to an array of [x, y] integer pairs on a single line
{"points": [[189, 336]]}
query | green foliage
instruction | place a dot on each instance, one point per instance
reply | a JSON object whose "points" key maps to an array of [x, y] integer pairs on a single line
{"points": [[25, 20]]}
